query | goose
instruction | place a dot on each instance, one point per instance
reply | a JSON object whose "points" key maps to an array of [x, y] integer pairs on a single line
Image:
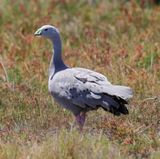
{"points": [[78, 89]]}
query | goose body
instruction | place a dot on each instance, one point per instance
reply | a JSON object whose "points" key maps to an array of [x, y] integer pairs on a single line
{"points": [[78, 89]]}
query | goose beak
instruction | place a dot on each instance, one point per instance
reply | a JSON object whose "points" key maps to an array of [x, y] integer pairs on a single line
{"points": [[38, 32]]}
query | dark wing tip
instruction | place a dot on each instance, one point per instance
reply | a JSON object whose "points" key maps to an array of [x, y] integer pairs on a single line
{"points": [[123, 109]]}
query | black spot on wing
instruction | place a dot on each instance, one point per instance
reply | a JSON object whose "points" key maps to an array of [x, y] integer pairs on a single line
{"points": [[98, 78], [83, 80]]}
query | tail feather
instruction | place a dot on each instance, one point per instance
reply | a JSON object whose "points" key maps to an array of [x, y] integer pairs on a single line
{"points": [[115, 105], [123, 110]]}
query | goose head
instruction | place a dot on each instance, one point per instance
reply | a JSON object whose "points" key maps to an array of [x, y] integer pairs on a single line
{"points": [[47, 31]]}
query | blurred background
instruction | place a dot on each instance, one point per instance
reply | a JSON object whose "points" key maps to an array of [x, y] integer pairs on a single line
{"points": [[120, 39]]}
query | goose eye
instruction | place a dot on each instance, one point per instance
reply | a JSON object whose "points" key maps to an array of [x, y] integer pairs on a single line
{"points": [[45, 29]]}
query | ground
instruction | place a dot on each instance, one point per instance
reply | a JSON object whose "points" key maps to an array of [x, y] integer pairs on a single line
{"points": [[120, 39]]}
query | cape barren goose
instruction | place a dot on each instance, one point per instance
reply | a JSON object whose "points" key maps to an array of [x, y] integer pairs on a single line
{"points": [[78, 89]]}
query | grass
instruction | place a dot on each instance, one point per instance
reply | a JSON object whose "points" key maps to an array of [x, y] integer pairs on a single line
{"points": [[118, 39]]}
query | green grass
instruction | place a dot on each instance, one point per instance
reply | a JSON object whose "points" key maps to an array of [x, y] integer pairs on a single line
{"points": [[120, 40]]}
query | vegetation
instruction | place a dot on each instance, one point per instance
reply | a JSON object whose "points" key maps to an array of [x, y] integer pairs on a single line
{"points": [[117, 38]]}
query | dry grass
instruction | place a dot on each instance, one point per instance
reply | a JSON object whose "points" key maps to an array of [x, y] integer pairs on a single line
{"points": [[118, 39]]}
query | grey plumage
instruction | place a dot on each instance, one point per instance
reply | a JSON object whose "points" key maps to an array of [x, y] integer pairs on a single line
{"points": [[79, 89]]}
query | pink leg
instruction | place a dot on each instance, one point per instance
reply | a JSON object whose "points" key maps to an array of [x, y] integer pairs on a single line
{"points": [[80, 118]]}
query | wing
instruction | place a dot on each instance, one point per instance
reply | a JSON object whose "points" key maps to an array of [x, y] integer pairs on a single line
{"points": [[87, 89], [86, 75], [98, 83]]}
